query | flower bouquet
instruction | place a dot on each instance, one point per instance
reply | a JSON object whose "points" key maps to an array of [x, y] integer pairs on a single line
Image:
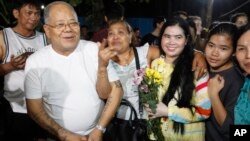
{"points": [[148, 80]]}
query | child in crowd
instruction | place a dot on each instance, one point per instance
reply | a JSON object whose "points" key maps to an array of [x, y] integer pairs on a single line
{"points": [[223, 92]]}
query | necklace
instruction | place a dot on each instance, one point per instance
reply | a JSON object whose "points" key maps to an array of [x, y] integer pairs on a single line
{"points": [[125, 61]]}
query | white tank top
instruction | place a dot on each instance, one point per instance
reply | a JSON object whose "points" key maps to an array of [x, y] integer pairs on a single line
{"points": [[17, 44]]}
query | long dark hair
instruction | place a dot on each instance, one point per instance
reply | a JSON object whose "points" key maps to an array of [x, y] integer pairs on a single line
{"points": [[242, 30], [182, 76]]}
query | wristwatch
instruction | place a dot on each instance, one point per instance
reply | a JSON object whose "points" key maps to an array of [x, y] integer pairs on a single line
{"points": [[99, 127]]}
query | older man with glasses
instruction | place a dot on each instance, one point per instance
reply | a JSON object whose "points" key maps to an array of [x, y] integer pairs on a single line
{"points": [[64, 86]]}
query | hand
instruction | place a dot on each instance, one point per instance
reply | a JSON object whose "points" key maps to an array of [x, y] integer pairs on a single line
{"points": [[161, 110], [105, 53], [95, 135], [199, 65], [18, 62], [69, 136], [215, 85], [75, 137]]}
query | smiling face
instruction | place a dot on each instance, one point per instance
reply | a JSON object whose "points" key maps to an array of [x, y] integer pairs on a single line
{"points": [[64, 40], [119, 36], [243, 51], [173, 42], [218, 52]]}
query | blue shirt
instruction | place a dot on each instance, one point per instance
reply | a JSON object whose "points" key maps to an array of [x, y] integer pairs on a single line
{"points": [[242, 107]]}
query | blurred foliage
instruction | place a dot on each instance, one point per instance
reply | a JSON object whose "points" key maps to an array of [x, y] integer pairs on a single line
{"points": [[91, 10], [6, 17], [74, 2]]}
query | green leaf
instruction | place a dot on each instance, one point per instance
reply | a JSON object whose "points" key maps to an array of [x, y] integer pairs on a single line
{"points": [[74, 2]]}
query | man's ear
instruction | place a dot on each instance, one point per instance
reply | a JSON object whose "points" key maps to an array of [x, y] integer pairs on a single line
{"points": [[15, 13], [46, 30]]}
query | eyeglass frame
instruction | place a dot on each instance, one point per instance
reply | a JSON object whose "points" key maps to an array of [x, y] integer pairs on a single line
{"points": [[63, 26]]}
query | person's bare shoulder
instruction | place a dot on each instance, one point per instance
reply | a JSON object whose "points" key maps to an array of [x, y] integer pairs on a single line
{"points": [[1, 37], [2, 45], [153, 52]]}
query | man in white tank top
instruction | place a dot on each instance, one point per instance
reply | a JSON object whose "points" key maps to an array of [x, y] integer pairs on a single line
{"points": [[16, 44]]}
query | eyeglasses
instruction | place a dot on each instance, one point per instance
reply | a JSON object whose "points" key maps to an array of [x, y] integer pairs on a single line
{"points": [[62, 26]]}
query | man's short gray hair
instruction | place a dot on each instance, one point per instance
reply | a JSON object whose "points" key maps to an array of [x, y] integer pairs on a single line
{"points": [[48, 8]]}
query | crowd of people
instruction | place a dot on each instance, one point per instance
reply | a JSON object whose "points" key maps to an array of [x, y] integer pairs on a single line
{"points": [[65, 84]]}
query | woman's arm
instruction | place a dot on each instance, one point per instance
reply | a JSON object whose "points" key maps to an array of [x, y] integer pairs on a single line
{"points": [[199, 65], [200, 101]]}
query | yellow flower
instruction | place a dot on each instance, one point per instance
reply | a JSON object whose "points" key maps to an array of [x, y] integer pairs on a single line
{"points": [[157, 77], [148, 93], [160, 61], [149, 72], [160, 65]]}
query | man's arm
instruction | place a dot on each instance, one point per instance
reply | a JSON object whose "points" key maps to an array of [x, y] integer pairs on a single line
{"points": [[109, 110], [39, 115], [14, 64], [35, 105]]}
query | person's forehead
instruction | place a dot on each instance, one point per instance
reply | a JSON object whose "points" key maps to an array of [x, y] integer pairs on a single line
{"points": [[174, 30], [197, 21], [242, 18], [57, 15], [30, 7], [61, 10], [245, 36]]}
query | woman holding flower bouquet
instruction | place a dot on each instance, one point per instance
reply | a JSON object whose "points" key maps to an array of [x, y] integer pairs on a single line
{"points": [[183, 102], [119, 40]]}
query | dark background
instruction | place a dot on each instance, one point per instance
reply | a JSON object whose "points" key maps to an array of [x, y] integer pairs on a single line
{"points": [[138, 9], [140, 13], [192, 7]]}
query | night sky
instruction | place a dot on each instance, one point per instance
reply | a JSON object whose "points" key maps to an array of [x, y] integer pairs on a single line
{"points": [[136, 9], [192, 7]]}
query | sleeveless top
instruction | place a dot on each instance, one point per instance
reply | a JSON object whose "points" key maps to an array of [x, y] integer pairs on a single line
{"points": [[126, 75], [17, 44], [242, 107]]}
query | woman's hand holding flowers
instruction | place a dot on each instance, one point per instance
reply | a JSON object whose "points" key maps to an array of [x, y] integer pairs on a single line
{"points": [[161, 110]]}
